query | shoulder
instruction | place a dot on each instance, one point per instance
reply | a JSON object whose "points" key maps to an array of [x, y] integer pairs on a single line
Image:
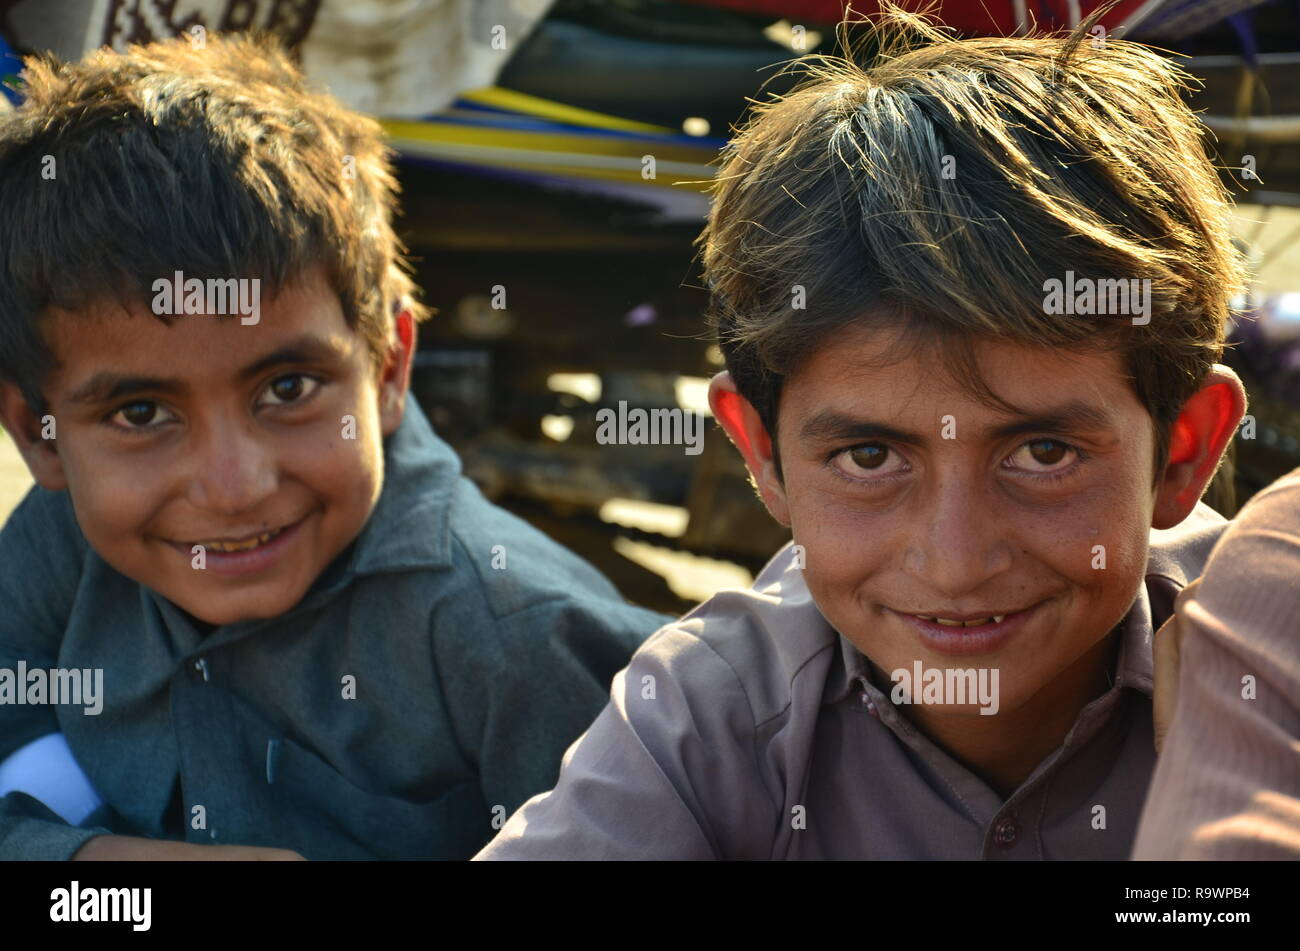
{"points": [[43, 558], [1275, 504], [41, 543], [515, 565], [1180, 553], [761, 640], [482, 576], [47, 518], [507, 581], [1257, 558]]}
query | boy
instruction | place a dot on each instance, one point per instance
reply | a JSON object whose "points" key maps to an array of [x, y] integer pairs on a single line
{"points": [[313, 636], [993, 494]]}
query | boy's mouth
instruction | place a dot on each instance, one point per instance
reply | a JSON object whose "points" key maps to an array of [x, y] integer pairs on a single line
{"points": [[246, 541], [978, 632], [970, 622], [243, 544], [243, 553]]}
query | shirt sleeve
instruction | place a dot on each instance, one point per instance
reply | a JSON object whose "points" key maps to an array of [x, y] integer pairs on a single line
{"points": [[46, 770], [1227, 783], [41, 554], [668, 770]]}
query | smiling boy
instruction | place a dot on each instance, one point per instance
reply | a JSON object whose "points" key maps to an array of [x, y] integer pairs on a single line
{"points": [[316, 638], [977, 483]]}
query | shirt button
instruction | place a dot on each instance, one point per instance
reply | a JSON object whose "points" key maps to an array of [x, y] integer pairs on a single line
{"points": [[867, 702], [200, 669], [1006, 832]]}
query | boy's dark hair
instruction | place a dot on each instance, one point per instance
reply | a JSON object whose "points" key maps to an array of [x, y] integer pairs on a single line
{"points": [[1066, 157], [215, 160]]}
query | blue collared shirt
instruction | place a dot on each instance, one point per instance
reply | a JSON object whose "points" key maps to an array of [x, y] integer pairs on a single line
{"points": [[426, 685]]}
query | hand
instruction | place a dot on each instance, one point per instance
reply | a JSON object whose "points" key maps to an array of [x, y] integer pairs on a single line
{"points": [[1165, 651], [125, 848]]}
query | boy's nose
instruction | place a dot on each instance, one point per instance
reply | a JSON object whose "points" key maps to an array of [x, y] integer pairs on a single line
{"points": [[232, 470], [959, 541]]}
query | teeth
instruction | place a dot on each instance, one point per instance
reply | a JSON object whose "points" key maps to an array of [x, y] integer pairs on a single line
{"points": [[996, 619], [244, 545]]}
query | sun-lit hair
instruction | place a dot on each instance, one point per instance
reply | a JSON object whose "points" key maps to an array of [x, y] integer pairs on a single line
{"points": [[936, 187], [218, 161]]}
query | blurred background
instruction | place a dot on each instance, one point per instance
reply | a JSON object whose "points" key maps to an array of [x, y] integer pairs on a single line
{"points": [[553, 157]]}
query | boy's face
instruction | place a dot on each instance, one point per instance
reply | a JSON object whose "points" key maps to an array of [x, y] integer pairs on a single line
{"points": [[1003, 518], [231, 436]]}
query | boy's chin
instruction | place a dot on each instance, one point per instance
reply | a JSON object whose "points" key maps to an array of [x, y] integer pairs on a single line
{"points": [[219, 608]]}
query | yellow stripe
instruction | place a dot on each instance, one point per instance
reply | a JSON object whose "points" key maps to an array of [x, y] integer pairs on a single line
{"points": [[499, 98], [434, 132], [693, 177]]}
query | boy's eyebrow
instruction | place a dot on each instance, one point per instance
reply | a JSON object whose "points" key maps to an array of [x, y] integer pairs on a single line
{"points": [[1072, 417], [108, 387], [306, 349], [833, 426]]}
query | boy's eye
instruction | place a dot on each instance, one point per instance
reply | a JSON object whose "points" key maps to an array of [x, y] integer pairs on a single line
{"points": [[872, 458], [290, 388], [140, 414], [1042, 454]]}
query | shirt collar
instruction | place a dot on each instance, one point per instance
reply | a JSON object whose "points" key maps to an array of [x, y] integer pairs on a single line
{"points": [[409, 527]]}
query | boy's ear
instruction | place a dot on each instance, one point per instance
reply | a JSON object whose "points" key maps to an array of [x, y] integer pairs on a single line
{"points": [[33, 437], [747, 432], [395, 377], [1197, 442]]}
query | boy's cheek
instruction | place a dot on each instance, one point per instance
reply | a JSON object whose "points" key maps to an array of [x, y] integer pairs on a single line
{"points": [[1101, 542], [840, 560], [341, 445], [111, 499]]}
